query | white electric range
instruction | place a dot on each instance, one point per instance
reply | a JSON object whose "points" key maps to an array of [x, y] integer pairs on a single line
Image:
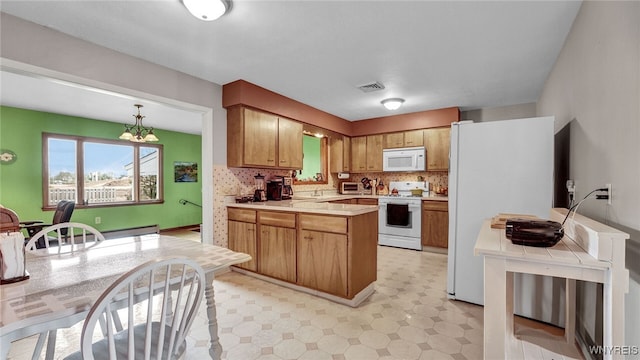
{"points": [[399, 215]]}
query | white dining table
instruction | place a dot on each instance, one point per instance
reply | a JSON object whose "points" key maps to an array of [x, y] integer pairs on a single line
{"points": [[63, 287]]}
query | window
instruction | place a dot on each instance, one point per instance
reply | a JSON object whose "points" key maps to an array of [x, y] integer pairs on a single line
{"points": [[314, 164], [113, 172]]}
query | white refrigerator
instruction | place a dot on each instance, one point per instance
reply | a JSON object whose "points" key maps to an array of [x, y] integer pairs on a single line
{"points": [[497, 167]]}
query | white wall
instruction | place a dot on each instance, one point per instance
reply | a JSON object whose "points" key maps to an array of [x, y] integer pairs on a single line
{"points": [[596, 82], [519, 111]]}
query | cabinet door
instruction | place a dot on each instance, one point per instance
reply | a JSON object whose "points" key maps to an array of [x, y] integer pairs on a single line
{"points": [[413, 138], [336, 154], [260, 134], [393, 140], [289, 144], [374, 152], [277, 252], [322, 261], [437, 143], [435, 228], [242, 238], [359, 154], [346, 154]]}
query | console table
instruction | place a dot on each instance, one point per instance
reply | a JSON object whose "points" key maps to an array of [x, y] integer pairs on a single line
{"points": [[589, 251]]}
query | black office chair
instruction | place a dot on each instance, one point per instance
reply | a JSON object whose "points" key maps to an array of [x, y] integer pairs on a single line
{"points": [[64, 209]]}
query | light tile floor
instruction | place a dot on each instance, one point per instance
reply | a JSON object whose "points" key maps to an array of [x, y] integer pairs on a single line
{"points": [[408, 317]]}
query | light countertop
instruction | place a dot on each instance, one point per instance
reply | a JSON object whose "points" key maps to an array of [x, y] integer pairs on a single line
{"points": [[308, 206], [322, 205], [434, 197]]}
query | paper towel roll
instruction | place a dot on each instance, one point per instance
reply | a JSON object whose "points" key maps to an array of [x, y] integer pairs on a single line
{"points": [[12, 253]]}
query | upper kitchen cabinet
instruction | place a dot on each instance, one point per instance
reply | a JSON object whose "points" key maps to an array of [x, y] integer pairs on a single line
{"points": [[359, 154], [437, 142], [289, 144], [366, 153], [340, 150], [253, 140], [374, 152], [403, 139], [414, 138], [393, 140]]}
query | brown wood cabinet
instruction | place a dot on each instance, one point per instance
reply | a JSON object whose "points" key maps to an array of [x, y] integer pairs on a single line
{"points": [[340, 154], [253, 140], [403, 139], [337, 255], [277, 245], [435, 224], [367, 201], [323, 261], [330, 253], [374, 152], [242, 235], [359, 154], [414, 138], [277, 252], [437, 142], [344, 201], [393, 140], [289, 144]]}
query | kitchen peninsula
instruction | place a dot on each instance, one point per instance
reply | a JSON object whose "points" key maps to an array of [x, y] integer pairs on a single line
{"points": [[322, 248]]}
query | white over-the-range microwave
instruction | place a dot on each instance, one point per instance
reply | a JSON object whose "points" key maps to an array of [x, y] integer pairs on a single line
{"points": [[404, 159]]}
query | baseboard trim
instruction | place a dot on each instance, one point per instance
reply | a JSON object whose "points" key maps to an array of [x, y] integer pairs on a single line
{"points": [[136, 231], [186, 227], [355, 302]]}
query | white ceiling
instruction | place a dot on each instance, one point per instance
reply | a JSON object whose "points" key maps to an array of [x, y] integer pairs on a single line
{"points": [[434, 54]]}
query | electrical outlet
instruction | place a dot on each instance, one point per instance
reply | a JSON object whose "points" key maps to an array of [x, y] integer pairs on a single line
{"points": [[609, 193], [98, 220], [571, 187]]}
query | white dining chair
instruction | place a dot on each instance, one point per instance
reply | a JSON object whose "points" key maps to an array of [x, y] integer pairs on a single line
{"points": [[67, 237], [65, 241], [155, 329]]}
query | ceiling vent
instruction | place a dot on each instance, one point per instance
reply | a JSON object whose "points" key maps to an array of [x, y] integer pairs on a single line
{"points": [[371, 87]]}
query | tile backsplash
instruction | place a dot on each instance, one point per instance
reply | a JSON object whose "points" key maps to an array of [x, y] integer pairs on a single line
{"points": [[230, 182], [435, 178]]}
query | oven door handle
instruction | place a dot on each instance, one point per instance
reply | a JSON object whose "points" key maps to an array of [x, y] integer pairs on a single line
{"points": [[411, 206]]}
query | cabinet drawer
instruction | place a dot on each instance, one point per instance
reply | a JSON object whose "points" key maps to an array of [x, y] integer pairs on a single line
{"points": [[367, 201], [332, 224], [435, 205], [278, 219], [242, 215]]}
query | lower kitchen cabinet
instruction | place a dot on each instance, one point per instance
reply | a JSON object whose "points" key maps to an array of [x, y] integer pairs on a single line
{"points": [[242, 238], [334, 254], [367, 201], [344, 201], [277, 245], [322, 262], [435, 224]]}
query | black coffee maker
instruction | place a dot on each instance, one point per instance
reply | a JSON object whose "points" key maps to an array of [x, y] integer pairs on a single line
{"points": [[287, 189]]}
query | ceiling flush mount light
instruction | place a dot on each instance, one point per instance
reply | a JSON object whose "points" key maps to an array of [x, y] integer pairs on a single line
{"points": [[137, 132], [392, 104], [207, 10]]}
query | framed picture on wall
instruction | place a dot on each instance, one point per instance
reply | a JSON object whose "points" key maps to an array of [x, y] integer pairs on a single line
{"points": [[185, 171]]}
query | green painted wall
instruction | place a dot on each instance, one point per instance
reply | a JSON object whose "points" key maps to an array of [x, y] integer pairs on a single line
{"points": [[21, 182], [311, 164]]}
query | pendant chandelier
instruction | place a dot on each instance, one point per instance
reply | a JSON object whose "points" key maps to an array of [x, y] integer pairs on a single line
{"points": [[137, 132]]}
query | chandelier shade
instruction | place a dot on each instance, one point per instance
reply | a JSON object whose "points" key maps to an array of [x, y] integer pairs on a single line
{"points": [[138, 132]]}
